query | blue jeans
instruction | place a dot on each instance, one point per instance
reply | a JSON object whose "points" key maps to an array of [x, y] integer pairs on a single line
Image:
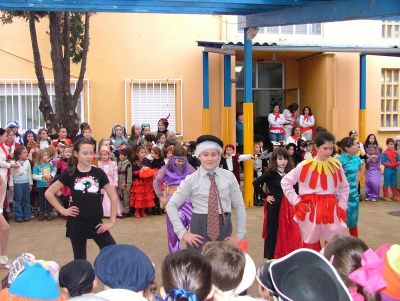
{"points": [[45, 207], [278, 137], [22, 201]]}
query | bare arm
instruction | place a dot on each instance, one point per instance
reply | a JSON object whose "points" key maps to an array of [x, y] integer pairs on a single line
{"points": [[50, 195]]}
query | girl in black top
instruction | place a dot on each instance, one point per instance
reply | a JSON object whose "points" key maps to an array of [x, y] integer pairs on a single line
{"points": [[278, 167], [85, 211]]}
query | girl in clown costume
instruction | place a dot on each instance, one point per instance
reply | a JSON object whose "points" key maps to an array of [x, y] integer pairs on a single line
{"points": [[352, 164], [320, 207]]}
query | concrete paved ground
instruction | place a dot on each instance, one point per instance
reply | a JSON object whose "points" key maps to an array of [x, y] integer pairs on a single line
{"points": [[379, 223]]}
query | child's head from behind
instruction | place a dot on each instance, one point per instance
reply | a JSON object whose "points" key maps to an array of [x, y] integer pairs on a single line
{"points": [[228, 264], [77, 277], [187, 270], [345, 252], [20, 153]]}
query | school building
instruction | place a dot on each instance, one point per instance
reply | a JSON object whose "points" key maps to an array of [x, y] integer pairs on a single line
{"points": [[142, 67]]}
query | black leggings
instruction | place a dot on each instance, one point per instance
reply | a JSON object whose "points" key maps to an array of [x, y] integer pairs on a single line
{"points": [[79, 244]]}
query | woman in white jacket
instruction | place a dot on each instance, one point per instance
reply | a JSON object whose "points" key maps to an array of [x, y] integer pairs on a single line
{"points": [[307, 123], [276, 122]]}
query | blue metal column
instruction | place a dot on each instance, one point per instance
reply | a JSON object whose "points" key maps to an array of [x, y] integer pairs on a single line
{"points": [[248, 122], [206, 96], [362, 118], [226, 114]]}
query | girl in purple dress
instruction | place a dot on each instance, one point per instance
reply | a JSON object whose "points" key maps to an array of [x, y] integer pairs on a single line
{"points": [[171, 175], [373, 173]]}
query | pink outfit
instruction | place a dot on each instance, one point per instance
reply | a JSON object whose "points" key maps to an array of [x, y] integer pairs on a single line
{"points": [[111, 170], [313, 231]]}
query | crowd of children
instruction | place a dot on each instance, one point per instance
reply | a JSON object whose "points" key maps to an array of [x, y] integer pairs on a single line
{"points": [[346, 270]]}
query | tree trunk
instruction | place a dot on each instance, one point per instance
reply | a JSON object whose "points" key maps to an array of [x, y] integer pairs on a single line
{"points": [[57, 60], [45, 105]]}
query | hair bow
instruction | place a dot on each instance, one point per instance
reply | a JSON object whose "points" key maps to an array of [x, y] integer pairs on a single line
{"points": [[369, 275], [356, 296], [178, 293]]}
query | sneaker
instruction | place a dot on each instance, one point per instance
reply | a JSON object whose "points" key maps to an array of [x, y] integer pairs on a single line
{"points": [[5, 262], [41, 217], [367, 199], [373, 200]]}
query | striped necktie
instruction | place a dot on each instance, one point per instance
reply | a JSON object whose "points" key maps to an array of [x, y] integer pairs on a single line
{"points": [[213, 212]]}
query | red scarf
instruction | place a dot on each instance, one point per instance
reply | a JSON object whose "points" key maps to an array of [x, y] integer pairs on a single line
{"points": [[306, 117], [295, 138], [276, 115], [3, 147], [293, 115]]}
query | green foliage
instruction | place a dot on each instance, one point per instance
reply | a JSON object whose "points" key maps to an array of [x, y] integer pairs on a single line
{"points": [[77, 28]]}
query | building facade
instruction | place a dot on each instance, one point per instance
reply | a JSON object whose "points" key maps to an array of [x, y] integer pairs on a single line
{"points": [[142, 67]]}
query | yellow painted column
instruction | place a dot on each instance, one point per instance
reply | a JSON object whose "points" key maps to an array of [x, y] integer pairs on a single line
{"points": [[248, 133], [206, 121]]}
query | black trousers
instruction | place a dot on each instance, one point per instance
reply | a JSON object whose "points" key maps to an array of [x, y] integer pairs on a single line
{"points": [[79, 244], [272, 228]]}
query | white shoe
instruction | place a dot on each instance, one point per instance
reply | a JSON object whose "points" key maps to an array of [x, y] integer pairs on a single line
{"points": [[367, 199], [373, 200], [5, 262]]}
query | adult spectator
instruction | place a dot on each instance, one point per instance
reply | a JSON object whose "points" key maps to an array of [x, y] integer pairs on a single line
{"points": [[296, 136], [307, 122], [276, 122], [239, 132], [291, 116]]}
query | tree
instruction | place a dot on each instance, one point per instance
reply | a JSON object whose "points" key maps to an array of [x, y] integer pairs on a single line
{"points": [[69, 40]]}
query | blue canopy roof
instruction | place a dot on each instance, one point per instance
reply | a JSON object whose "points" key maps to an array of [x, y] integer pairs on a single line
{"points": [[258, 13]]}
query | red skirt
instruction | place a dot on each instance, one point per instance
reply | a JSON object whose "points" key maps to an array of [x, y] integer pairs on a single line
{"points": [[289, 236], [142, 193]]}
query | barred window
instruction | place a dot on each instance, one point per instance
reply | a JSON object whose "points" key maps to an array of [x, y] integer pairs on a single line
{"points": [[390, 29], [20, 99], [389, 99]]}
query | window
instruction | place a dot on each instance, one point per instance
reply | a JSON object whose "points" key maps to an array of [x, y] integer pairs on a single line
{"points": [[287, 29], [20, 99], [390, 29], [155, 99], [306, 29], [390, 99], [300, 29]]}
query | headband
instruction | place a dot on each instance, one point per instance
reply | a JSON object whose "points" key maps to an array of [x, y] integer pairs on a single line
{"points": [[201, 147]]}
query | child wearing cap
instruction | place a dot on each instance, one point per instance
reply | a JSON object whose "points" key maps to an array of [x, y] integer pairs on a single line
{"points": [[213, 192]]}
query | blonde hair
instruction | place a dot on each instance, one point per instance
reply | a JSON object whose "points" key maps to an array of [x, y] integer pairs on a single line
{"points": [[39, 156]]}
